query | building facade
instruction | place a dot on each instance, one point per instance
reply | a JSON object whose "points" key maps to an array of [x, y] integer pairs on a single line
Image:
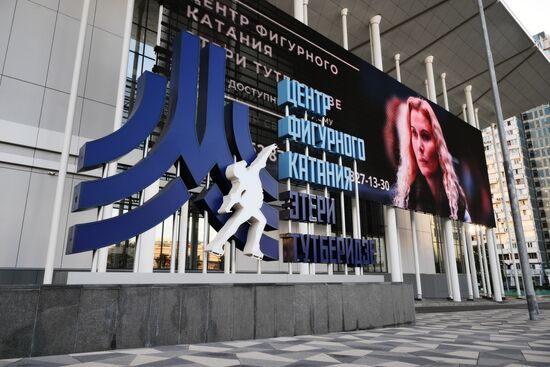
{"points": [[542, 40], [536, 130], [526, 191]]}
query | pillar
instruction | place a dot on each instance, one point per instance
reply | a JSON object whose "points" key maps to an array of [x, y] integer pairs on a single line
{"points": [[145, 244], [428, 61], [499, 268], [299, 10], [497, 295], [452, 260], [471, 119], [444, 88], [427, 88], [450, 255], [393, 245], [489, 291], [65, 150], [415, 254], [481, 266], [306, 2], [473, 268], [466, 262], [344, 14], [392, 234], [375, 41], [182, 238], [397, 67], [464, 113]]}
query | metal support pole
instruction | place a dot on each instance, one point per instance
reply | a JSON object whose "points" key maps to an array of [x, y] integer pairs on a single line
{"points": [[65, 150], [182, 237], [234, 258], [532, 304], [465, 114], [288, 186], [206, 233]]}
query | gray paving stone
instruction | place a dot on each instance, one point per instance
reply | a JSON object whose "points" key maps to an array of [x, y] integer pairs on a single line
{"points": [[397, 346]]}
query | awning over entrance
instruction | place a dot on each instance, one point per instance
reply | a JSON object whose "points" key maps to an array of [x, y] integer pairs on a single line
{"points": [[450, 31]]}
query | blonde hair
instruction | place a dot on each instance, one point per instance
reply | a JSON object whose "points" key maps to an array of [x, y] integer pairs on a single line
{"points": [[407, 170]]}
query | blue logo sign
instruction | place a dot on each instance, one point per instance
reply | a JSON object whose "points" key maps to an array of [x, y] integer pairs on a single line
{"points": [[197, 85]]}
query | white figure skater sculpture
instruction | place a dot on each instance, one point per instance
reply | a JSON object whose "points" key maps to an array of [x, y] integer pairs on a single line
{"points": [[246, 197]]}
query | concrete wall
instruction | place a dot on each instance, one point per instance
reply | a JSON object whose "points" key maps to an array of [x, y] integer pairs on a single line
{"points": [[435, 285], [69, 319]]}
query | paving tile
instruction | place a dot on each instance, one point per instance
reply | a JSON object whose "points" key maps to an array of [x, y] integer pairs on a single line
{"points": [[461, 338]]}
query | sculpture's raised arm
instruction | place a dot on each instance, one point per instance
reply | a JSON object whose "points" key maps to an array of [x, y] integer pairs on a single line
{"points": [[262, 157]]}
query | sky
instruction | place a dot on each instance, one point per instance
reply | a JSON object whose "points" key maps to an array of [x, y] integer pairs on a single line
{"points": [[534, 15]]}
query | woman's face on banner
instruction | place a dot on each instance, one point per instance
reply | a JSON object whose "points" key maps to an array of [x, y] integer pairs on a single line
{"points": [[423, 142]]}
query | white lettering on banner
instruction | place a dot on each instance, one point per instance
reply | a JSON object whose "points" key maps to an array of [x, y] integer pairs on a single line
{"points": [[230, 31], [285, 43], [252, 91], [240, 20], [197, 14]]}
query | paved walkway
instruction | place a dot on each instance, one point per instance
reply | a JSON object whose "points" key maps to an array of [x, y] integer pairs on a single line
{"points": [[501, 337]]}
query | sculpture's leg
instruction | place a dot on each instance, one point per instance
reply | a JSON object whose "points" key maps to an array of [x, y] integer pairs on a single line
{"points": [[229, 228], [252, 247]]}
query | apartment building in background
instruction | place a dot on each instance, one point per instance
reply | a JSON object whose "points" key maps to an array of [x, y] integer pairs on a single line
{"points": [[526, 191], [536, 127], [542, 40]]}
